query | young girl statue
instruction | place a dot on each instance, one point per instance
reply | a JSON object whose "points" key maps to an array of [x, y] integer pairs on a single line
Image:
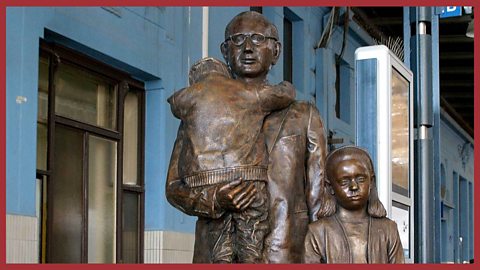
{"points": [[352, 225]]}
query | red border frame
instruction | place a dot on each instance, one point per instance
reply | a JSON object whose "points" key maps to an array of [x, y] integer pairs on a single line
{"points": [[7, 3]]}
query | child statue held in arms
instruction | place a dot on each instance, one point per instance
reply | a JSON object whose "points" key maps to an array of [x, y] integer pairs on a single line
{"points": [[352, 225], [222, 120]]}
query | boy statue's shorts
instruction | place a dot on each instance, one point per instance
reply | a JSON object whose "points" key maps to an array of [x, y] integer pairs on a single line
{"points": [[237, 237]]}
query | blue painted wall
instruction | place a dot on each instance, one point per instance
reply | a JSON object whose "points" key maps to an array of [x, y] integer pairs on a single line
{"points": [[342, 127], [456, 191], [22, 76]]}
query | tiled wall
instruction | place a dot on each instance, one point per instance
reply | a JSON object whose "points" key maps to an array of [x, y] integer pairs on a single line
{"points": [[160, 246], [168, 247], [22, 239]]}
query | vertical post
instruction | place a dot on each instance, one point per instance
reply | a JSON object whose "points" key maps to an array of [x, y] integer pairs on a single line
{"points": [[421, 64], [205, 19], [435, 72]]}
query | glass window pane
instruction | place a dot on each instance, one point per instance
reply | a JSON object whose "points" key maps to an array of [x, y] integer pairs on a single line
{"points": [[102, 175], [287, 50], [130, 142], [400, 133], [41, 214], [38, 209], [41, 146], [65, 204], [343, 90], [42, 114], [130, 228], [401, 216], [43, 90], [85, 97], [257, 9]]}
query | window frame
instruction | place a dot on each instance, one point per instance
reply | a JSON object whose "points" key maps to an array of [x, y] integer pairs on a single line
{"points": [[123, 83], [287, 49]]}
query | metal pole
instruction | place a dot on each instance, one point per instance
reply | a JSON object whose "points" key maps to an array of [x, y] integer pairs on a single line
{"points": [[421, 59]]}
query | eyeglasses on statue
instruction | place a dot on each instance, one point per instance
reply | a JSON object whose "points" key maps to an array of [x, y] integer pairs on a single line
{"points": [[256, 38]]}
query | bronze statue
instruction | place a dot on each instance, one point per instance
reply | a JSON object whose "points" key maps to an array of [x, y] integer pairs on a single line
{"points": [[296, 145], [352, 225], [223, 141]]}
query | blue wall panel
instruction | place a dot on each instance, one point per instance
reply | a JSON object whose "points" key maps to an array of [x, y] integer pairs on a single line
{"points": [[154, 148], [456, 155], [160, 136], [22, 77], [126, 37]]}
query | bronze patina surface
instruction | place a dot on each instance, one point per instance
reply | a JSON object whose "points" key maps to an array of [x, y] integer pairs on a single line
{"points": [[223, 141]]}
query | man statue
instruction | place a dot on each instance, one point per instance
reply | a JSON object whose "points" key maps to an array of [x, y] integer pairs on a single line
{"points": [[296, 146]]}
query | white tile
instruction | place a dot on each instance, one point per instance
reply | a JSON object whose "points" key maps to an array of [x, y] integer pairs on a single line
{"points": [[16, 247], [154, 238], [168, 247], [178, 241], [161, 239], [22, 243], [148, 244], [21, 251], [161, 255], [36, 231], [14, 251], [176, 256], [35, 252], [21, 229], [9, 251], [31, 229], [145, 240], [28, 252], [154, 256], [9, 224], [146, 256], [11, 227]]}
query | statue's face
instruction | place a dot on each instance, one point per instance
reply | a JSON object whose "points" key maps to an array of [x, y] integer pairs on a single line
{"points": [[351, 184], [250, 60]]}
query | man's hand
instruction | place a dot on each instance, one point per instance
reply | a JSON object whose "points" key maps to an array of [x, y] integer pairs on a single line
{"points": [[236, 195]]}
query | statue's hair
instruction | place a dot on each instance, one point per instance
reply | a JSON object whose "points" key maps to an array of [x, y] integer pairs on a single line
{"points": [[206, 66], [252, 15], [329, 204]]}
